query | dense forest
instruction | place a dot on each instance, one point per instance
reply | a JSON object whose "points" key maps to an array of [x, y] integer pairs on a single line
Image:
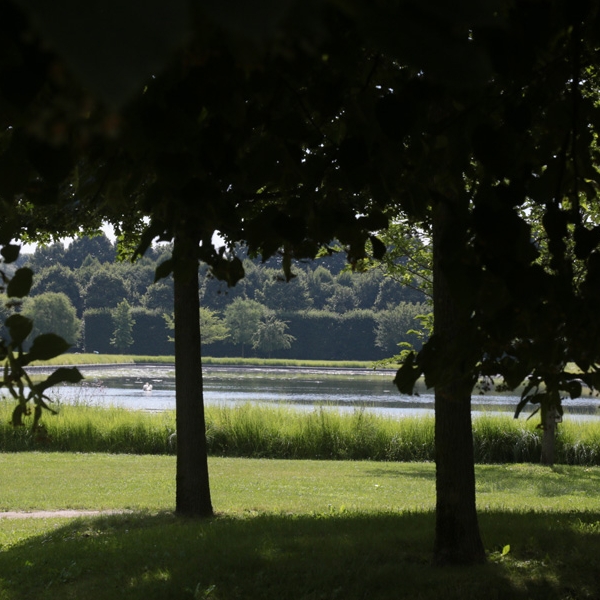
{"points": [[326, 312]]}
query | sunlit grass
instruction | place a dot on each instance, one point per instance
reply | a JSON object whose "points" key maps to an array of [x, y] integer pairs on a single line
{"points": [[279, 431], [290, 529], [101, 359], [86, 359], [48, 481], [323, 433], [278, 362]]}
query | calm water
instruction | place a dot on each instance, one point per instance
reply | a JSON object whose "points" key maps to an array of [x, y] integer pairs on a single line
{"points": [[302, 388]]}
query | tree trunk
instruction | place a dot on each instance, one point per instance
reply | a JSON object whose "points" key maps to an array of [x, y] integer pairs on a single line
{"points": [[550, 416], [192, 485], [457, 538]]}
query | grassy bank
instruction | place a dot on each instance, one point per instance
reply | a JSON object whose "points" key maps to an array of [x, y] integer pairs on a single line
{"points": [[250, 430], [108, 359], [290, 529]]}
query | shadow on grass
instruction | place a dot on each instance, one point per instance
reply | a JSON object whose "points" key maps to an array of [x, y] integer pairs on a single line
{"points": [[346, 555], [547, 482], [418, 472]]}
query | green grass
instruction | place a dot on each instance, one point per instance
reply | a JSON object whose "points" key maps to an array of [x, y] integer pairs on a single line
{"points": [[258, 431], [48, 481], [290, 529], [277, 362], [86, 359], [100, 359]]}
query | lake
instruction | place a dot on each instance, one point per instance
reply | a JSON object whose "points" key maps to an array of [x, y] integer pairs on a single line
{"points": [[302, 388]]}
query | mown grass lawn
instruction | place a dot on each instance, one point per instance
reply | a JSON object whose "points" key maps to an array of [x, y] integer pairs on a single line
{"points": [[290, 529]]}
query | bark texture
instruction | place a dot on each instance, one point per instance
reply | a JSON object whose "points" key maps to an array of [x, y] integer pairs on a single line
{"points": [[457, 537], [550, 417], [192, 482]]}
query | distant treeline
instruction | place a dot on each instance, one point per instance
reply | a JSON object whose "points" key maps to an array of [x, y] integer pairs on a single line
{"points": [[325, 312]]}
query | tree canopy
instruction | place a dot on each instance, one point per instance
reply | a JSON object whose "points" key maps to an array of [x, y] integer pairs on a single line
{"points": [[286, 129]]}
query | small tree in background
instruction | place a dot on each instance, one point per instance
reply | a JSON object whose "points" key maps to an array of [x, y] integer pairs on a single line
{"points": [[213, 328], [400, 326], [53, 311], [123, 326], [105, 290], [271, 335], [59, 278], [243, 320]]}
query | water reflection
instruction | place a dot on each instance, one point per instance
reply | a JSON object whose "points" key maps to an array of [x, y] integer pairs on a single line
{"points": [[303, 389]]}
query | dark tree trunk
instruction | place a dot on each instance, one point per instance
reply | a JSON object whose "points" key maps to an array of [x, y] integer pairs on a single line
{"points": [[550, 416], [192, 485], [457, 538]]}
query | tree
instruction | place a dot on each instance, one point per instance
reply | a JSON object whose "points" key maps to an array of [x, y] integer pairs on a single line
{"points": [[123, 326], [279, 295], [213, 328], [192, 478], [271, 335], [366, 288], [138, 277], [222, 164], [159, 296], [53, 312], [105, 290], [398, 326], [59, 278], [499, 310], [342, 299], [243, 318], [457, 532], [408, 258], [80, 248], [46, 256], [401, 108], [320, 284]]}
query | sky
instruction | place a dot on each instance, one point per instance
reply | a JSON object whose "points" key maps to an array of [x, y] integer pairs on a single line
{"points": [[107, 228]]}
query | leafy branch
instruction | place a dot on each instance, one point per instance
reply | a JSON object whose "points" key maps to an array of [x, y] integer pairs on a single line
{"points": [[15, 358]]}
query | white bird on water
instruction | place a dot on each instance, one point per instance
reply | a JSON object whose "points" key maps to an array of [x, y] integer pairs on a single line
{"points": [[147, 387]]}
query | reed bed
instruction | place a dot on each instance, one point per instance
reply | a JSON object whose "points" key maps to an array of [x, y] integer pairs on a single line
{"points": [[83, 428], [278, 431], [281, 432]]}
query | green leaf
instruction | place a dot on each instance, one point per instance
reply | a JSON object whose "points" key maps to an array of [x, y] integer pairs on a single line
{"points": [[230, 271], [61, 375], [407, 375], [163, 270], [19, 328], [379, 248], [10, 252], [20, 284], [46, 346], [536, 398], [17, 416], [505, 550]]}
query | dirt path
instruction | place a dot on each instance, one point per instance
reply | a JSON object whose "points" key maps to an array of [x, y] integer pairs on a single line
{"points": [[54, 514]]}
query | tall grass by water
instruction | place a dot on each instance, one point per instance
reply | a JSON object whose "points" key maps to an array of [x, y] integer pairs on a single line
{"points": [[259, 431]]}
